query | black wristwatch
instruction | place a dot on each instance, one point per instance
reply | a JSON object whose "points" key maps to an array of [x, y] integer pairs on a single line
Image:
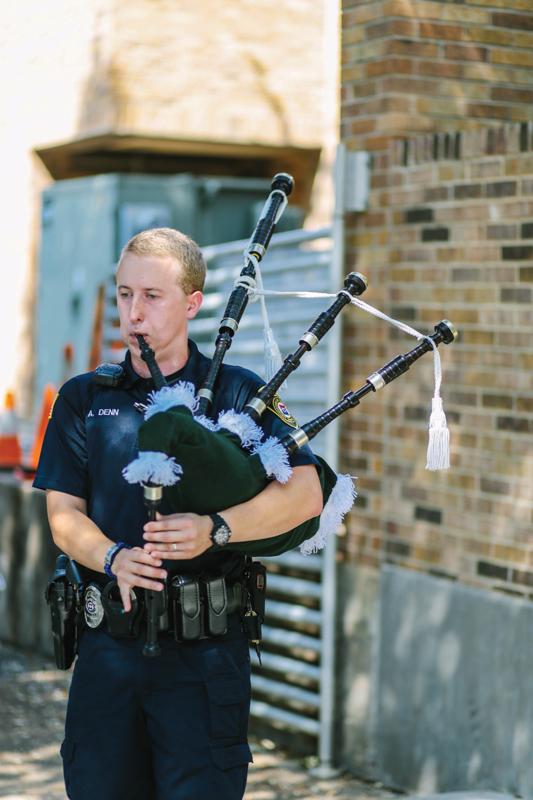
{"points": [[221, 533]]}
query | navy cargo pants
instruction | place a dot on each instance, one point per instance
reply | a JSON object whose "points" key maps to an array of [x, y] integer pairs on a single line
{"points": [[167, 728]]}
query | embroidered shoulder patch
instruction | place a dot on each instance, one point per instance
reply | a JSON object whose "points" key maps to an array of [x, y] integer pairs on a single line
{"points": [[278, 407]]}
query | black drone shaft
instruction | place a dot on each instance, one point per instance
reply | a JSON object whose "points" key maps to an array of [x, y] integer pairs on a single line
{"points": [[155, 601], [444, 332], [148, 356], [355, 284], [281, 188]]}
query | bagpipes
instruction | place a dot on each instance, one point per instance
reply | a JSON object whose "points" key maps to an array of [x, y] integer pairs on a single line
{"points": [[207, 466]]}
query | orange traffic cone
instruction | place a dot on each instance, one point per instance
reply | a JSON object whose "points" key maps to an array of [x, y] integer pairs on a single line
{"points": [[10, 450], [49, 396]]}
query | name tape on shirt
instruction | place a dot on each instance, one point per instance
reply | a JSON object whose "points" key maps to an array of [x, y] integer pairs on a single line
{"points": [[278, 407], [104, 412]]}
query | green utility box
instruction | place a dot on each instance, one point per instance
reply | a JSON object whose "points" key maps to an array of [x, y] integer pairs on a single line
{"points": [[85, 223]]}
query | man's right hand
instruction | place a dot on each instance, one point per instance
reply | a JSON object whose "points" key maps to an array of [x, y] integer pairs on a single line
{"points": [[135, 567]]}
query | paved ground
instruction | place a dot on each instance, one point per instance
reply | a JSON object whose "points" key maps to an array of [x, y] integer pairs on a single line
{"points": [[32, 704]]}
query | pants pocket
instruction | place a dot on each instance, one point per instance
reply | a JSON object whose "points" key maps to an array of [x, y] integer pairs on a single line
{"points": [[236, 755], [229, 705]]}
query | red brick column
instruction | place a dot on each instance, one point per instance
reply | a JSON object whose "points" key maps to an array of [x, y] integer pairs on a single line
{"points": [[448, 233]]}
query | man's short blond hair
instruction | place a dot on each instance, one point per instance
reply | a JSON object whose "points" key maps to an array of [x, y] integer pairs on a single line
{"points": [[170, 242]]}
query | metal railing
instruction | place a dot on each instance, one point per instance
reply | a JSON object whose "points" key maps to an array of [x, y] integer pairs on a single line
{"points": [[287, 689]]}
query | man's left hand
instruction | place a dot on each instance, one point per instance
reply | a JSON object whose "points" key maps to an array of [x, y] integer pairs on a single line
{"points": [[178, 536]]}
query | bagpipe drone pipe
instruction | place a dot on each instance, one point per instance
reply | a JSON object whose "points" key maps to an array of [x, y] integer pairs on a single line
{"points": [[207, 466], [229, 454]]}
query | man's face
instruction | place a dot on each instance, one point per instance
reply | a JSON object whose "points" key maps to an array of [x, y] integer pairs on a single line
{"points": [[151, 302]]}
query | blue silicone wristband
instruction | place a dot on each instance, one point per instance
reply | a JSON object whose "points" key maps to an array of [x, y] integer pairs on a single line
{"points": [[110, 557]]}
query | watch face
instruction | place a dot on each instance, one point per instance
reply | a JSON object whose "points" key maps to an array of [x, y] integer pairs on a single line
{"points": [[221, 535]]}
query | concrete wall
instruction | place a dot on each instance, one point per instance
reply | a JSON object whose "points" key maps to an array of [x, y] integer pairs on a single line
{"points": [[437, 684], [27, 559]]}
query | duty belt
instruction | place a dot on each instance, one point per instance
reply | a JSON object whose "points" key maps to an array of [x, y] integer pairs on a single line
{"points": [[192, 608]]}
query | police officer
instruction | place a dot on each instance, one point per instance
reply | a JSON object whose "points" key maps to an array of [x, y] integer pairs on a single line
{"points": [[172, 727]]}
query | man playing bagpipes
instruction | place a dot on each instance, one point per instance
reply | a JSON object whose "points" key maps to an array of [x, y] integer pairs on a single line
{"points": [[173, 726]]}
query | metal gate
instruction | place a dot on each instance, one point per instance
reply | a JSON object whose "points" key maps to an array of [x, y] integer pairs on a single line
{"points": [[287, 687]]}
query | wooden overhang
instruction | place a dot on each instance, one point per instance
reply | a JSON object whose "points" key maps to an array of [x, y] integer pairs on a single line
{"points": [[135, 153]]}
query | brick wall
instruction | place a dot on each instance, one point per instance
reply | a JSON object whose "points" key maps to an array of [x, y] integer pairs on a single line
{"points": [[448, 233], [451, 236], [233, 72], [419, 65]]}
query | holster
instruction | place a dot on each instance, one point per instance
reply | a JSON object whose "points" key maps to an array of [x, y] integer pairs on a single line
{"points": [[121, 624], [63, 595]]}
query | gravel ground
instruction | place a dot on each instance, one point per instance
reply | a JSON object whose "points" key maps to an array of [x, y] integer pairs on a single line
{"points": [[32, 706]]}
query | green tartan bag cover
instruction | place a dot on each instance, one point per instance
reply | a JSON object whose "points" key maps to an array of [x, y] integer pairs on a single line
{"points": [[207, 467]]}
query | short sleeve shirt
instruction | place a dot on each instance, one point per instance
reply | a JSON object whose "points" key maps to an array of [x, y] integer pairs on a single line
{"points": [[92, 436]]}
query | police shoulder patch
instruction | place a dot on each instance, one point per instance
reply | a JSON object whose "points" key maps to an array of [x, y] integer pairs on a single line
{"points": [[278, 407]]}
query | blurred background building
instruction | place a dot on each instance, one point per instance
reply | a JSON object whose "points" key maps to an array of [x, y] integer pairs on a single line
{"points": [[149, 88]]}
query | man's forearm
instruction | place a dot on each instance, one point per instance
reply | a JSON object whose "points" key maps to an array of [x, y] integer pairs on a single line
{"points": [[74, 533], [278, 508]]}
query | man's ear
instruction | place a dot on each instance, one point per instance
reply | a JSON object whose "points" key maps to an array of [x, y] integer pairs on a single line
{"points": [[194, 301]]}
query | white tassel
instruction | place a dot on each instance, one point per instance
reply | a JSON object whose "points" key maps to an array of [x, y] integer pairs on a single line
{"points": [[339, 503], [274, 459], [273, 359], [205, 422], [181, 394], [153, 467], [438, 454], [242, 426]]}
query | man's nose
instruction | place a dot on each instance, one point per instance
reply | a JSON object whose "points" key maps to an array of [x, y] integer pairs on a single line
{"points": [[136, 309]]}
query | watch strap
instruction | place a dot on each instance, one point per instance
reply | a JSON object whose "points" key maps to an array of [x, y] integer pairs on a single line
{"points": [[218, 522]]}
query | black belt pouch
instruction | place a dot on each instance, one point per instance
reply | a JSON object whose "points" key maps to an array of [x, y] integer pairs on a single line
{"points": [[216, 607], [186, 608]]}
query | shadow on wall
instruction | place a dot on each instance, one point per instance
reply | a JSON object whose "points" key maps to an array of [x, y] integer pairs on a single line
{"points": [[27, 558], [454, 705]]}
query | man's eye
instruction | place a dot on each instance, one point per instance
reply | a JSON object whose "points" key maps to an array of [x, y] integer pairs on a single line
{"points": [[123, 295], [152, 296]]}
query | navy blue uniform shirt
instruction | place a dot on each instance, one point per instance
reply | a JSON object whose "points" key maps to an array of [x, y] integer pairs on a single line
{"points": [[92, 436]]}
